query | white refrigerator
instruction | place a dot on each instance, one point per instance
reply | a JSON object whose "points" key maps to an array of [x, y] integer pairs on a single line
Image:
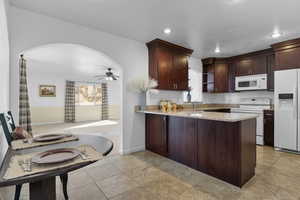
{"points": [[286, 107]]}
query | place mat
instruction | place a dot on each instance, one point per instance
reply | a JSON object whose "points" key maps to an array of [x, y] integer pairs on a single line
{"points": [[19, 144], [15, 170]]}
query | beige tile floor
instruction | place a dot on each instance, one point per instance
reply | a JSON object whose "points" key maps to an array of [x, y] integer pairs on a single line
{"points": [[148, 176]]}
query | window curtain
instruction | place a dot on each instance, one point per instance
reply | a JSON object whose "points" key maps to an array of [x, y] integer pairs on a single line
{"points": [[104, 105], [24, 106], [70, 101]]}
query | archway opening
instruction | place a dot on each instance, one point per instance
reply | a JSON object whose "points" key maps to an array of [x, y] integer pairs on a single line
{"points": [[98, 99]]}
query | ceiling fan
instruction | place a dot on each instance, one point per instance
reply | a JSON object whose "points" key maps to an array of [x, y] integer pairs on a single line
{"points": [[108, 76]]}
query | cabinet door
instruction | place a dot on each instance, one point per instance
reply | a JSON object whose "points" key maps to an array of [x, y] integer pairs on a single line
{"points": [[259, 64], [206, 137], [231, 76], [252, 65], [182, 141], [180, 72], [221, 78], [244, 67], [287, 59], [270, 68], [165, 63], [227, 151], [269, 128], [156, 134]]}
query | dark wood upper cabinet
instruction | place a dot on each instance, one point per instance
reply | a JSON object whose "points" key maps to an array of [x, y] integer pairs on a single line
{"points": [[168, 64], [251, 65], [231, 76], [219, 73], [180, 71], [221, 77], [215, 75], [164, 68], [287, 54], [270, 71], [244, 67], [260, 64], [157, 134]]}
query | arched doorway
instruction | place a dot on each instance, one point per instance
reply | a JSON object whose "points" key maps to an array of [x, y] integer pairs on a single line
{"points": [[51, 66]]}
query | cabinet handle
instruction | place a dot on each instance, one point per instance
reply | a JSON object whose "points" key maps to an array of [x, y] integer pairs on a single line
{"points": [[268, 114]]}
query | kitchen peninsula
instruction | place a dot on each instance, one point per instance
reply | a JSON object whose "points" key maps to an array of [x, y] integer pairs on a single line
{"points": [[219, 144]]}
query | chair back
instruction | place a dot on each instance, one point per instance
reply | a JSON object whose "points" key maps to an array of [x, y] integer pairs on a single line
{"points": [[8, 125]]}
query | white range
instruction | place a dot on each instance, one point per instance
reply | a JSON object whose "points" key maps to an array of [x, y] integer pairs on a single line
{"points": [[255, 106]]}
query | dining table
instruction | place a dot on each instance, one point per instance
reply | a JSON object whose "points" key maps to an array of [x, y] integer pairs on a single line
{"points": [[42, 186]]}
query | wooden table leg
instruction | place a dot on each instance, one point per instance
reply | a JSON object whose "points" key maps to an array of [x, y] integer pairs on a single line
{"points": [[44, 189]]}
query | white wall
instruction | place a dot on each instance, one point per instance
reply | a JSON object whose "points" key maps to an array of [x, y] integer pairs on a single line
{"points": [[4, 75], [54, 106], [37, 78], [132, 56], [114, 96], [4, 68]]}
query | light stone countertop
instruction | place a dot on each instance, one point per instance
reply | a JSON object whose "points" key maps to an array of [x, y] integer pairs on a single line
{"points": [[215, 116]]}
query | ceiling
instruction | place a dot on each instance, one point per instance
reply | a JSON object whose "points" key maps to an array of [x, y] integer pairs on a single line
{"points": [[236, 26], [68, 61]]}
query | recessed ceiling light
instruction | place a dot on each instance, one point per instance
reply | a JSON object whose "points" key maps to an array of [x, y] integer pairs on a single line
{"points": [[167, 31], [217, 50], [276, 34]]}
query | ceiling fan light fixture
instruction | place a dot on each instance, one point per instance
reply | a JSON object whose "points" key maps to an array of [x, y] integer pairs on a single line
{"points": [[109, 78]]}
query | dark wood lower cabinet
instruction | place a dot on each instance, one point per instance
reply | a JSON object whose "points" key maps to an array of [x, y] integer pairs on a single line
{"points": [[269, 128], [182, 140], [227, 153], [206, 146], [156, 134], [225, 150]]}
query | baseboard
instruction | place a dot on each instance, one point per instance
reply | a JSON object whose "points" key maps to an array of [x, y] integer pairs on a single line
{"points": [[47, 123], [132, 150]]}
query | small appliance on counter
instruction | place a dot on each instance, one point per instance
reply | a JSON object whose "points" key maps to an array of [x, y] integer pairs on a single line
{"points": [[287, 110], [255, 106], [252, 82]]}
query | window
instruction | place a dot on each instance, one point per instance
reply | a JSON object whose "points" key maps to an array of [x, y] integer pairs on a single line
{"points": [[88, 94]]}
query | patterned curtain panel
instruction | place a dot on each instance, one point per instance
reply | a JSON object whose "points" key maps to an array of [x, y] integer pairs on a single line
{"points": [[24, 107], [104, 105], [70, 102]]}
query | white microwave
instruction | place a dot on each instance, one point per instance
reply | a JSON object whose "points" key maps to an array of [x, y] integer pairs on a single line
{"points": [[252, 82]]}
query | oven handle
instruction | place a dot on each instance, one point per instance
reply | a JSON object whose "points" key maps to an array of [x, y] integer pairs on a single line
{"points": [[251, 112]]}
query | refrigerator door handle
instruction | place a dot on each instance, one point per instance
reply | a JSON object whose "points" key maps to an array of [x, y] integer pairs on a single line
{"points": [[295, 102]]}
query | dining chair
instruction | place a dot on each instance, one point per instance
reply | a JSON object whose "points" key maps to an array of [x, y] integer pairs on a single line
{"points": [[8, 125]]}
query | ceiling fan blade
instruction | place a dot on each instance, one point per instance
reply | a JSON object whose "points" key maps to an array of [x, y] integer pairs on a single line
{"points": [[100, 76]]}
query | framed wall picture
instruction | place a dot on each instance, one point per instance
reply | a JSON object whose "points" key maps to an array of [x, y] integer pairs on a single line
{"points": [[47, 91]]}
